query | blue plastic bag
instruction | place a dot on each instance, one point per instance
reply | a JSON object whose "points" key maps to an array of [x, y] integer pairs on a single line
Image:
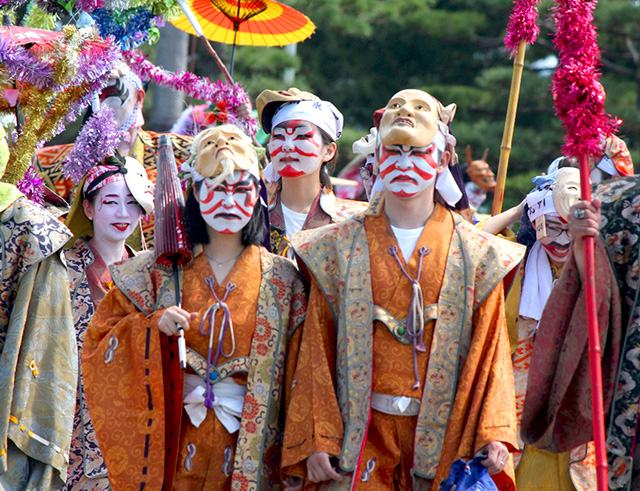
{"points": [[468, 475]]}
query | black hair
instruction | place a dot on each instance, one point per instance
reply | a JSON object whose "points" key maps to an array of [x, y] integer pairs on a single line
{"points": [[526, 232], [253, 233], [116, 160]]}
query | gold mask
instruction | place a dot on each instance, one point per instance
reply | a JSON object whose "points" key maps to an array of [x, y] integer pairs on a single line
{"points": [[221, 150], [410, 118]]}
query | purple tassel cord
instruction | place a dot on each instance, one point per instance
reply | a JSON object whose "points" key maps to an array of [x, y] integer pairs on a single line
{"points": [[226, 327], [415, 317]]}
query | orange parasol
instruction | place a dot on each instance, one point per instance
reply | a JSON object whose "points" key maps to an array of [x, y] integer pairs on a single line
{"points": [[247, 23]]}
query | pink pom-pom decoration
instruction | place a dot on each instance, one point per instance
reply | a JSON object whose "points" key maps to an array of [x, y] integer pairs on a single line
{"points": [[522, 24], [578, 95]]}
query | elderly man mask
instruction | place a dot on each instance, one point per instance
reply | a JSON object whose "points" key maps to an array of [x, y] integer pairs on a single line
{"points": [[412, 143], [225, 175]]}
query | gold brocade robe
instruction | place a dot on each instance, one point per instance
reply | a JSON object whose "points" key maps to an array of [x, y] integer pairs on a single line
{"points": [[325, 209], [135, 392], [349, 263]]}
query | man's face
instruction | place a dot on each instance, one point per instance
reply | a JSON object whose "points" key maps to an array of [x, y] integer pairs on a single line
{"points": [[557, 243], [407, 170], [125, 100], [296, 148], [227, 207], [410, 118], [221, 145]]}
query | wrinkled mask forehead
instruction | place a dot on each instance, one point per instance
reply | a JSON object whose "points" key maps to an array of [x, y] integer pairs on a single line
{"points": [[410, 118], [224, 150]]}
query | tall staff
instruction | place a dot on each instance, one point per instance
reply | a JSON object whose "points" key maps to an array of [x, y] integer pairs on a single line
{"points": [[521, 30], [579, 103]]}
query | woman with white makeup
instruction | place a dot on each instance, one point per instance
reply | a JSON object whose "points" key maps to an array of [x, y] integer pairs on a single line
{"points": [[216, 425], [304, 131], [107, 208]]}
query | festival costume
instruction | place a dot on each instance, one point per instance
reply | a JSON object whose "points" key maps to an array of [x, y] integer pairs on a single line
{"points": [[325, 209], [557, 414], [89, 281], [352, 363], [38, 356], [144, 434], [275, 108], [535, 468]]}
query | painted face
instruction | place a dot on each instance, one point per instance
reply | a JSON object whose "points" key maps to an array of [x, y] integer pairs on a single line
{"points": [[407, 171], [410, 118], [125, 100], [225, 147], [114, 212], [296, 148], [228, 206], [557, 243]]}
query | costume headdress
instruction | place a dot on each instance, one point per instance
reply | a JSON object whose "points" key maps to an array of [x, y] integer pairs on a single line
{"points": [[219, 151]]}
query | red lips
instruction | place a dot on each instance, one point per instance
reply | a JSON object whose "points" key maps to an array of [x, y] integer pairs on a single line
{"points": [[122, 227], [288, 171]]}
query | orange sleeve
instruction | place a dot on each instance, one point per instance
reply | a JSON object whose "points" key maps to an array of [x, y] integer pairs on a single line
{"points": [[484, 408], [122, 374], [313, 422]]}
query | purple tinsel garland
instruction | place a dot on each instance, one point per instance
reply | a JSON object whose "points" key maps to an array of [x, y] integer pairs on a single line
{"points": [[32, 186], [24, 66], [97, 140]]}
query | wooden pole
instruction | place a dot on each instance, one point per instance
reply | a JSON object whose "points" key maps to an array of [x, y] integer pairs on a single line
{"points": [[595, 352], [509, 125]]}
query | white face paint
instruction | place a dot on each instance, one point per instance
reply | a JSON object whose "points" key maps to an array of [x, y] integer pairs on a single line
{"points": [[296, 148], [228, 207], [557, 243], [407, 171], [114, 212]]}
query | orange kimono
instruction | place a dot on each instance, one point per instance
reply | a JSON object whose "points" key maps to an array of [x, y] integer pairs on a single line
{"points": [[394, 451], [135, 393]]}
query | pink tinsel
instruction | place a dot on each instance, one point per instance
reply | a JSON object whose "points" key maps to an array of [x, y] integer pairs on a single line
{"points": [[522, 24], [578, 95], [200, 88]]}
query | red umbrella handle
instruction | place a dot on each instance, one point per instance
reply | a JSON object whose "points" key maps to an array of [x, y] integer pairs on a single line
{"points": [[595, 351]]}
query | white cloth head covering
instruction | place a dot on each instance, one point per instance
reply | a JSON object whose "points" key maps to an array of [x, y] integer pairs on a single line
{"points": [[538, 283], [321, 113]]}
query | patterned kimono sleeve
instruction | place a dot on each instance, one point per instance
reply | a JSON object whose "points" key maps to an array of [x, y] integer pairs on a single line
{"points": [[484, 408], [122, 368], [313, 422]]}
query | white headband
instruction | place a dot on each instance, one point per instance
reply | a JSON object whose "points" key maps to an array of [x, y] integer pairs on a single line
{"points": [[540, 202], [321, 113]]}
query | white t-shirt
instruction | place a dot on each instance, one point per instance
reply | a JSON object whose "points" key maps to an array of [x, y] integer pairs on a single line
{"points": [[293, 220], [407, 239]]}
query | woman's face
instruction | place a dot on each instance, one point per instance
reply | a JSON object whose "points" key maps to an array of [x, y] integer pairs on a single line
{"points": [[114, 212], [557, 243], [296, 149], [228, 206]]}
